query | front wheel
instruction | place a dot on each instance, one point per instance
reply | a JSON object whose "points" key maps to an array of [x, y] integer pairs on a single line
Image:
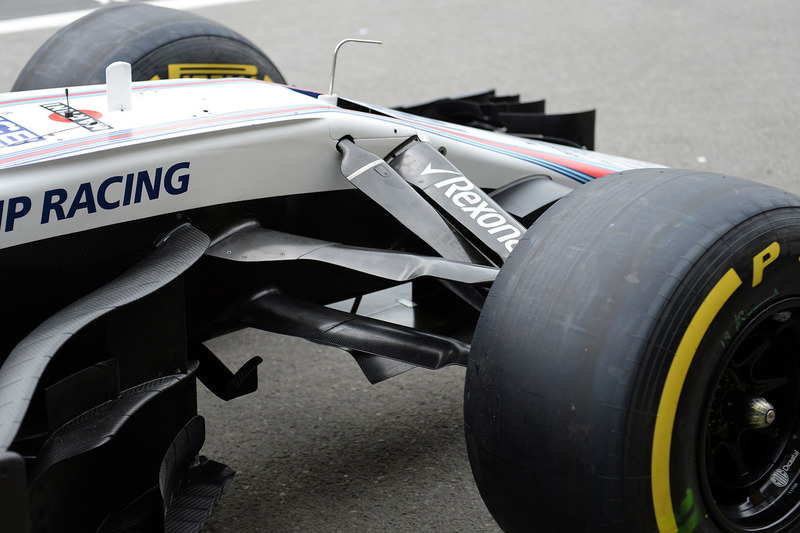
{"points": [[159, 43], [637, 364]]}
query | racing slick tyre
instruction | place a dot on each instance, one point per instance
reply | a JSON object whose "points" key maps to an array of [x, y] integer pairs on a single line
{"points": [[159, 43], [636, 366]]}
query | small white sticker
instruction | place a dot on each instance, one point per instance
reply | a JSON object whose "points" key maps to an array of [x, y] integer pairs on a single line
{"points": [[779, 477]]}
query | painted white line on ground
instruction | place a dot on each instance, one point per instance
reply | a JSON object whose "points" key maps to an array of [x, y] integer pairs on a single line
{"points": [[57, 20], [41, 22]]}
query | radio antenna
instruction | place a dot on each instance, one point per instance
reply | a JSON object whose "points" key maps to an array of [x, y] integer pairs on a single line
{"points": [[69, 112]]}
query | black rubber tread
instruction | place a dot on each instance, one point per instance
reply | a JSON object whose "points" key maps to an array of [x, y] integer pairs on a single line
{"points": [[147, 37], [577, 335]]}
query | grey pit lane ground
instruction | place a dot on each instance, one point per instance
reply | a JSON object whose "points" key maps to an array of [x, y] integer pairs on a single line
{"points": [[711, 86]]}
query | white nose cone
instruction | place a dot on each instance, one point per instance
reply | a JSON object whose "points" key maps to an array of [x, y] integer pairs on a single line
{"points": [[118, 86]]}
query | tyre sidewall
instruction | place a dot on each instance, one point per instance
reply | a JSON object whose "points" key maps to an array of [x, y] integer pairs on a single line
{"points": [[744, 251]]}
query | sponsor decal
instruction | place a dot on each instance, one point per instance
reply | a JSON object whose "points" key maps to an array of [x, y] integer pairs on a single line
{"points": [[90, 197], [467, 197], [12, 133], [780, 476], [85, 118]]}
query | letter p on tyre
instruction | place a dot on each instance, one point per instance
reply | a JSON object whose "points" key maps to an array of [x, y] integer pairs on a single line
{"points": [[637, 364]]}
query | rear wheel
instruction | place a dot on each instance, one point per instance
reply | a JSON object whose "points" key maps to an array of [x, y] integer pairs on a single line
{"points": [[636, 366], [159, 43]]}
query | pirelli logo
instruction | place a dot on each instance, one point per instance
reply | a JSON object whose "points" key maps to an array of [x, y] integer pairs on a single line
{"points": [[212, 70]]}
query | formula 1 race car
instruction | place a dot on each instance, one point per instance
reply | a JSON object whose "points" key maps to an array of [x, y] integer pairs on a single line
{"points": [[630, 332]]}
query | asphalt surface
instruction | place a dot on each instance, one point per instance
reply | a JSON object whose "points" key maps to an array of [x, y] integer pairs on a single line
{"points": [[710, 86]]}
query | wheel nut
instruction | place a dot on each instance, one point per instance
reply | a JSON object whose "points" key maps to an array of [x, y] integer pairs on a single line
{"points": [[760, 413]]}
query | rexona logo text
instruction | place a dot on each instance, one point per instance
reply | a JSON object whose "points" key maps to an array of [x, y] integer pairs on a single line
{"points": [[87, 198], [466, 196]]}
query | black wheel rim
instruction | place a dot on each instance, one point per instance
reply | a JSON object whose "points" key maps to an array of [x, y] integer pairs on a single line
{"points": [[751, 457]]}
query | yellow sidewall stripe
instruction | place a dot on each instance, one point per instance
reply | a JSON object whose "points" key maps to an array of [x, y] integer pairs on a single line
{"points": [[668, 405]]}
